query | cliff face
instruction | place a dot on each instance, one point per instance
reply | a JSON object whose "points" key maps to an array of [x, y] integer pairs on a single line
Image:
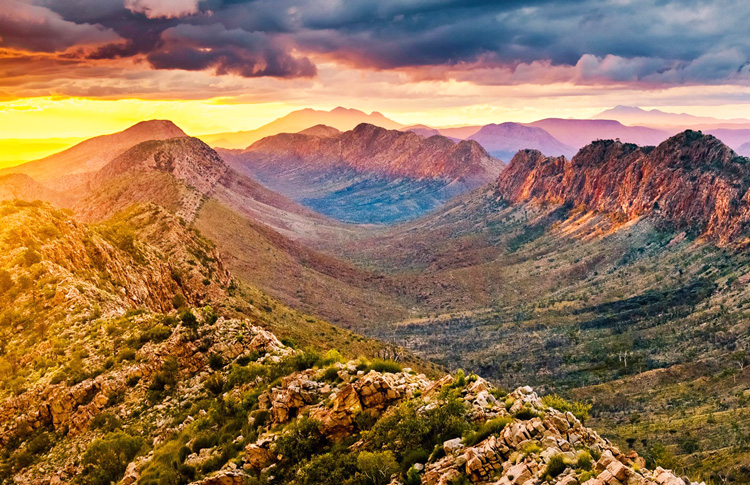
{"points": [[693, 181]]}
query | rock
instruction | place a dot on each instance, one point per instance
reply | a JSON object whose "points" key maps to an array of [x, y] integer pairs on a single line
{"points": [[452, 446]]}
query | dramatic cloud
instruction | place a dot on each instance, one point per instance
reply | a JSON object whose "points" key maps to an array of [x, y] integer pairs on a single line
{"points": [[605, 43], [39, 29], [236, 51], [163, 8]]}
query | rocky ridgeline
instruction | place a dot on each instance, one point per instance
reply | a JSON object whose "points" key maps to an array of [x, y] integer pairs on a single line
{"points": [[521, 453], [692, 181], [534, 443], [70, 410]]}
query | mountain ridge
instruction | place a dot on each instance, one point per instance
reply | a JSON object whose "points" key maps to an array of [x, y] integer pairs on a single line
{"points": [[690, 180], [339, 118], [400, 173]]}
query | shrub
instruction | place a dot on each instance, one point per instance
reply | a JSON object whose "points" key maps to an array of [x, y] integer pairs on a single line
{"points": [[215, 361], [239, 374], [377, 467], [331, 374], [31, 257], [583, 460], [331, 357], [460, 379], [301, 440], [105, 459], [166, 377], [6, 282], [403, 428], [209, 315], [412, 477], [188, 319], [126, 353], [332, 468], [206, 439], [555, 466], [214, 384], [526, 413], [157, 333], [414, 456], [493, 426], [106, 421], [578, 409], [179, 301], [379, 365], [364, 420]]}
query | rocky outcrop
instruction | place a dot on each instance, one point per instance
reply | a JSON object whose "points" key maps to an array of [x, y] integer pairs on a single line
{"points": [[522, 451], [691, 181]]}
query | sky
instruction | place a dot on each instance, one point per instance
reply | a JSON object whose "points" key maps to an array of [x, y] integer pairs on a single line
{"points": [[78, 68]]}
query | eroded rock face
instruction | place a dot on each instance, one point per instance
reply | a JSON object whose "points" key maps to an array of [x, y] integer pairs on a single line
{"points": [[692, 181]]}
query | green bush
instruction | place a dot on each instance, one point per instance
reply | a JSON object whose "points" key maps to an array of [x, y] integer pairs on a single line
{"points": [[206, 439], [301, 440], [188, 319], [105, 459], [555, 466], [331, 374], [379, 365], [584, 461], [215, 384], [404, 429], [106, 421], [412, 477], [377, 467], [493, 426], [156, 334], [332, 468], [215, 361], [526, 413], [578, 409], [126, 353]]}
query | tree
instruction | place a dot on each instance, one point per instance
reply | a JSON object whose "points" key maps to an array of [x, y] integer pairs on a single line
{"points": [[106, 459], [377, 467], [6, 282]]}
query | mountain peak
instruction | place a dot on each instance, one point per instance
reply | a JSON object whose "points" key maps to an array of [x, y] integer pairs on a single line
{"points": [[691, 181], [320, 130], [159, 129]]}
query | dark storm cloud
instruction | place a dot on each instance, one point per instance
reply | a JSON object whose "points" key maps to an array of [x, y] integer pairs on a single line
{"points": [[652, 41], [237, 51]]}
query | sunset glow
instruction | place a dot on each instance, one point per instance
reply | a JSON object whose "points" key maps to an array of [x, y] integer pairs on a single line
{"points": [[70, 69]]}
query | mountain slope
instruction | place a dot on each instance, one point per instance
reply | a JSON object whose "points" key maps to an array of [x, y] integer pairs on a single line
{"points": [[368, 174], [691, 180], [340, 118], [504, 140], [21, 186], [71, 167], [99, 368]]}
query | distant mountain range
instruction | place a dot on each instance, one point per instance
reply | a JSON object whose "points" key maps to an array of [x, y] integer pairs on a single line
{"points": [[339, 118], [633, 115], [368, 174]]}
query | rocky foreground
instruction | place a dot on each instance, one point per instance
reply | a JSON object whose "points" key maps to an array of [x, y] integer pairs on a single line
{"points": [[117, 369]]}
